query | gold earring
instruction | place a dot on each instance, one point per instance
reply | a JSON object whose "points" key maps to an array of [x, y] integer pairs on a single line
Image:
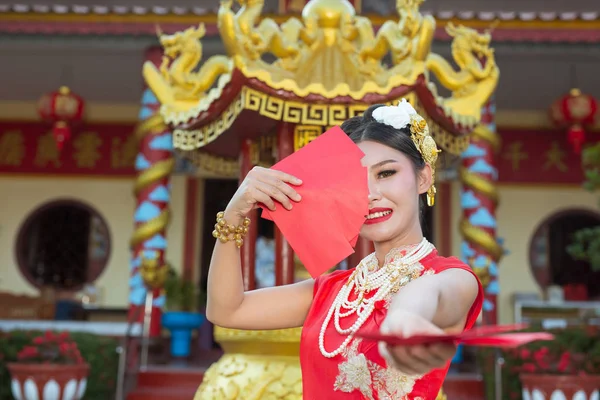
{"points": [[431, 196]]}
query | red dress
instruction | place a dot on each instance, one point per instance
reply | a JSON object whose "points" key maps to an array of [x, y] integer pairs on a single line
{"points": [[360, 372]]}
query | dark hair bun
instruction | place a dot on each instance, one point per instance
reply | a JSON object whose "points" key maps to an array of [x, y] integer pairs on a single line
{"points": [[368, 114]]}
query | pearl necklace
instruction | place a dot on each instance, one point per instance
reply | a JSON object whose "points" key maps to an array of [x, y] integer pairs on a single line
{"points": [[397, 271]]}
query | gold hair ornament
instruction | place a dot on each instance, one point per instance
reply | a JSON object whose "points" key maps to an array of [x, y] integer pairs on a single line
{"points": [[228, 233], [424, 142]]}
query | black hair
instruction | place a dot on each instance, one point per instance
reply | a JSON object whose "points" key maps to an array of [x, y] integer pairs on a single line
{"points": [[365, 127]]}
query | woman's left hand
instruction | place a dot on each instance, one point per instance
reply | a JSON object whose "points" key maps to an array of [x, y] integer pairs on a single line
{"points": [[413, 360]]}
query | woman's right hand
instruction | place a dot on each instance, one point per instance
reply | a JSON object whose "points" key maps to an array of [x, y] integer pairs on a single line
{"points": [[263, 185]]}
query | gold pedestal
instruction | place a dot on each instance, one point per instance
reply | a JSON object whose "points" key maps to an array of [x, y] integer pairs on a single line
{"points": [[256, 365]]}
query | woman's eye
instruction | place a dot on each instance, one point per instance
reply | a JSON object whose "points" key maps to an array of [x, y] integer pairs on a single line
{"points": [[386, 173]]}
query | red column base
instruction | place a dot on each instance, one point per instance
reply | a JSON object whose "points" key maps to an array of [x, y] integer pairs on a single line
{"points": [[136, 314]]}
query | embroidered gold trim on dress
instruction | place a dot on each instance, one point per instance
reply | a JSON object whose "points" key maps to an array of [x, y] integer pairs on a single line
{"points": [[370, 378]]}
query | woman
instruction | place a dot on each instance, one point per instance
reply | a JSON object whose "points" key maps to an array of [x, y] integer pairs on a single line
{"points": [[404, 287]]}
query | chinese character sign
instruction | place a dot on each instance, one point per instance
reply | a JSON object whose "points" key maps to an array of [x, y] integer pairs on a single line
{"points": [[12, 148], [544, 156], [96, 149]]}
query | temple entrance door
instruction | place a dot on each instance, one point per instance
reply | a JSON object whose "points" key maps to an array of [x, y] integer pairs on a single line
{"points": [[217, 193]]}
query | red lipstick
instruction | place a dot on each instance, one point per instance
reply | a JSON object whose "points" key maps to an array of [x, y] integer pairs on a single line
{"points": [[384, 215]]}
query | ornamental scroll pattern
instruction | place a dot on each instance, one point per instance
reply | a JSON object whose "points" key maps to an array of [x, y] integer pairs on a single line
{"points": [[248, 377], [194, 139], [299, 113], [306, 114]]}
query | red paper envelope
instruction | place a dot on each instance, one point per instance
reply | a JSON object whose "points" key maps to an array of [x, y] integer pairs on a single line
{"points": [[323, 227], [507, 340], [343, 205], [490, 336], [316, 237]]}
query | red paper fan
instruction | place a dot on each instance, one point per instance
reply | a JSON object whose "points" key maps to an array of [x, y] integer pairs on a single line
{"points": [[324, 226]]}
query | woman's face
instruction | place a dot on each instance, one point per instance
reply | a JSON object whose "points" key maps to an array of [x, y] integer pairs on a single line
{"points": [[394, 190]]}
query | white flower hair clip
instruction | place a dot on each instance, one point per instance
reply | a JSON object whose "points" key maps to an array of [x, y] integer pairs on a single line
{"points": [[397, 117]]}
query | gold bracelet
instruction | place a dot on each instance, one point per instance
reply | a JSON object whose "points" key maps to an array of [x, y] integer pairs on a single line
{"points": [[227, 233]]}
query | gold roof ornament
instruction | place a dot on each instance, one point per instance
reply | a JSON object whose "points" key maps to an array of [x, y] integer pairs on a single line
{"points": [[328, 65], [331, 52], [175, 83]]}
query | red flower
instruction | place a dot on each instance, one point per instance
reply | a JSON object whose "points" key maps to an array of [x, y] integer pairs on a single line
{"points": [[39, 340], [64, 348], [28, 352], [540, 357], [564, 362], [528, 367], [51, 348]]}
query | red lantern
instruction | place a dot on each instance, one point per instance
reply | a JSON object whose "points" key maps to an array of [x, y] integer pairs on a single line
{"points": [[62, 109], [575, 111]]}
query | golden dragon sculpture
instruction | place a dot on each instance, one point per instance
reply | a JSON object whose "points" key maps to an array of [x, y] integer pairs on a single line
{"points": [[478, 74], [244, 36], [175, 82], [408, 40]]}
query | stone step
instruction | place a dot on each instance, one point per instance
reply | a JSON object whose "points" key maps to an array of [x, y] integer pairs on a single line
{"points": [[167, 383]]}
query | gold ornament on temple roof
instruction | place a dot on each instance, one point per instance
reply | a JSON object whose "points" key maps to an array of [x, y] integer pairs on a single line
{"points": [[330, 52], [333, 52], [175, 83], [474, 82]]}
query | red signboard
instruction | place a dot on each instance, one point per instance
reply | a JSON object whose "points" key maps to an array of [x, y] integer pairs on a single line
{"points": [[539, 157], [93, 149], [526, 157]]}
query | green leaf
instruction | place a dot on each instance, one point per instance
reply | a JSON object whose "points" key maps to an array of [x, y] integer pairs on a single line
{"points": [[181, 294], [586, 246]]}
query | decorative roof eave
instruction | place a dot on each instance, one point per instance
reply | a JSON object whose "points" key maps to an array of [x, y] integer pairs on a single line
{"points": [[224, 107], [103, 20]]}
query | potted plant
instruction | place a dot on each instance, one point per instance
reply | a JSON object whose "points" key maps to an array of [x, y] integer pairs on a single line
{"points": [[586, 242], [565, 368], [181, 314], [49, 368]]}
